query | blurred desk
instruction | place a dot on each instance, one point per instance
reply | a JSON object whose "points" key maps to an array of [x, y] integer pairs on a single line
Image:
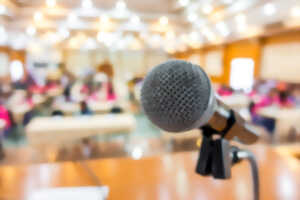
{"points": [[285, 118], [160, 177], [49, 130], [236, 101], [69, 108]]}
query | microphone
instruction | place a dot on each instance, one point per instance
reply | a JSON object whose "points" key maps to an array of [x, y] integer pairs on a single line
{"points": [[178, 96]]}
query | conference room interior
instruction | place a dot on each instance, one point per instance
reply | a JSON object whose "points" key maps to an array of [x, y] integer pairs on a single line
{"points": [[71, 73]]}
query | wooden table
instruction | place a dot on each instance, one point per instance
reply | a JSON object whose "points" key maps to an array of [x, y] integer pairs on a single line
{"points": [[160, 177], [49, 130]]}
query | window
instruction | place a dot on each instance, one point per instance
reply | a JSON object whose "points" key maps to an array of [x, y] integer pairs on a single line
{"points": [[242, 74], [16, 70]]}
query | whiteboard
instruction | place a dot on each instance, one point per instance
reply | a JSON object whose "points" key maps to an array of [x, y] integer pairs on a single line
{"points": [[281, 62]]}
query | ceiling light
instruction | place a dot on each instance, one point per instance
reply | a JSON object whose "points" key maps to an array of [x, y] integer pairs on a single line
{"points": [[137, 153], [2, 9], [31, 31], [192, 17], [269, 9], [72, 17], [170, 35], [223, 29], [120, 5], [163, 20], [38, 16], [183, 3], [86, 4], [194, 35], [135, 19], [227, 1], [208, 34], [104, 19], [295, 11], [64, 32], [240, 18], [207, 9], [51, 3], [241, 22]]}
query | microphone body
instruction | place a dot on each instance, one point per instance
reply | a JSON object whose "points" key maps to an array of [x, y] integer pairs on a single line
{"points": [[177, 96]]}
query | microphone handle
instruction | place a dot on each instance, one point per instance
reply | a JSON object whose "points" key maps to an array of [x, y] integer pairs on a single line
{"points": [[240, 129]]}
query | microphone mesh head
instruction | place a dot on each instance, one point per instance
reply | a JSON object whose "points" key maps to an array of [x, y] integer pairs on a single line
{"points": [[175, 94]]}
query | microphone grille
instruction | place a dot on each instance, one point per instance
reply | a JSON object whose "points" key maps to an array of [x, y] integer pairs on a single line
{"points": [[175, 94]]}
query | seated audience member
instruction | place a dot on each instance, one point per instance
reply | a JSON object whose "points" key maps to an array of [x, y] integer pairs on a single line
{"points": [[5, 116], [225, 91], [35, 112], [267, 123], [84, 109], [111, 96], [285, 100], [57, 113], [296, 96]]}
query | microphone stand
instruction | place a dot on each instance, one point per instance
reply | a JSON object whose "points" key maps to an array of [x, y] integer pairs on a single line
{"points": [[217, 156]]}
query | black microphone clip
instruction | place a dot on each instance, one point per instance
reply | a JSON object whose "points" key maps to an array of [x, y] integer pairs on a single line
{"points": [[215, 154]]}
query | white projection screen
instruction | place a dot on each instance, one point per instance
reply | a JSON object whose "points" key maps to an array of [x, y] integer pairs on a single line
{"points": [[281, 62]]}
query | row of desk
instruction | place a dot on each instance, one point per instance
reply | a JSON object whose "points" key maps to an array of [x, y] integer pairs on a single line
{"points": [[60, 130]]}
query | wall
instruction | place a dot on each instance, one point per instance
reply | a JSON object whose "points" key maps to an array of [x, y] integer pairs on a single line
{"points": [[254, 48]]}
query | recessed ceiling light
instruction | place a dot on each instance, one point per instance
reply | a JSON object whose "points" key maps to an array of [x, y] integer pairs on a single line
{"points": [[135, 19], [163, 20], [240, 18], [183, 2], [223, 29], [104, 18], [50, 3], [269, 9], [207, 9], [64, 32], [86, 4], [227, 1], [192, 17], [2, 9], [31, 30], [208, 34], [295, 11], [121, 5], [38, 16], [72, 17]]}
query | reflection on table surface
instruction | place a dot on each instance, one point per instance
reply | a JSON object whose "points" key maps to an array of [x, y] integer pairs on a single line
{"points": [[164, 176]]}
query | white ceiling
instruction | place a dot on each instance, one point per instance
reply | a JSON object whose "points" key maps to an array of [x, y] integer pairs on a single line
{"points": [[190, 22]]}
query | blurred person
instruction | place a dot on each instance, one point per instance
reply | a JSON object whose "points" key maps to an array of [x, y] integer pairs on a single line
{"points": [[225, 90], [296, 96], [84, 109], [4, 116], [285, 99], [111, 96], [267, 123]]}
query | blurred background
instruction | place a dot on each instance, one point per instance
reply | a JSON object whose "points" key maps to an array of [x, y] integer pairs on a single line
{"points": [[70, 80]]}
